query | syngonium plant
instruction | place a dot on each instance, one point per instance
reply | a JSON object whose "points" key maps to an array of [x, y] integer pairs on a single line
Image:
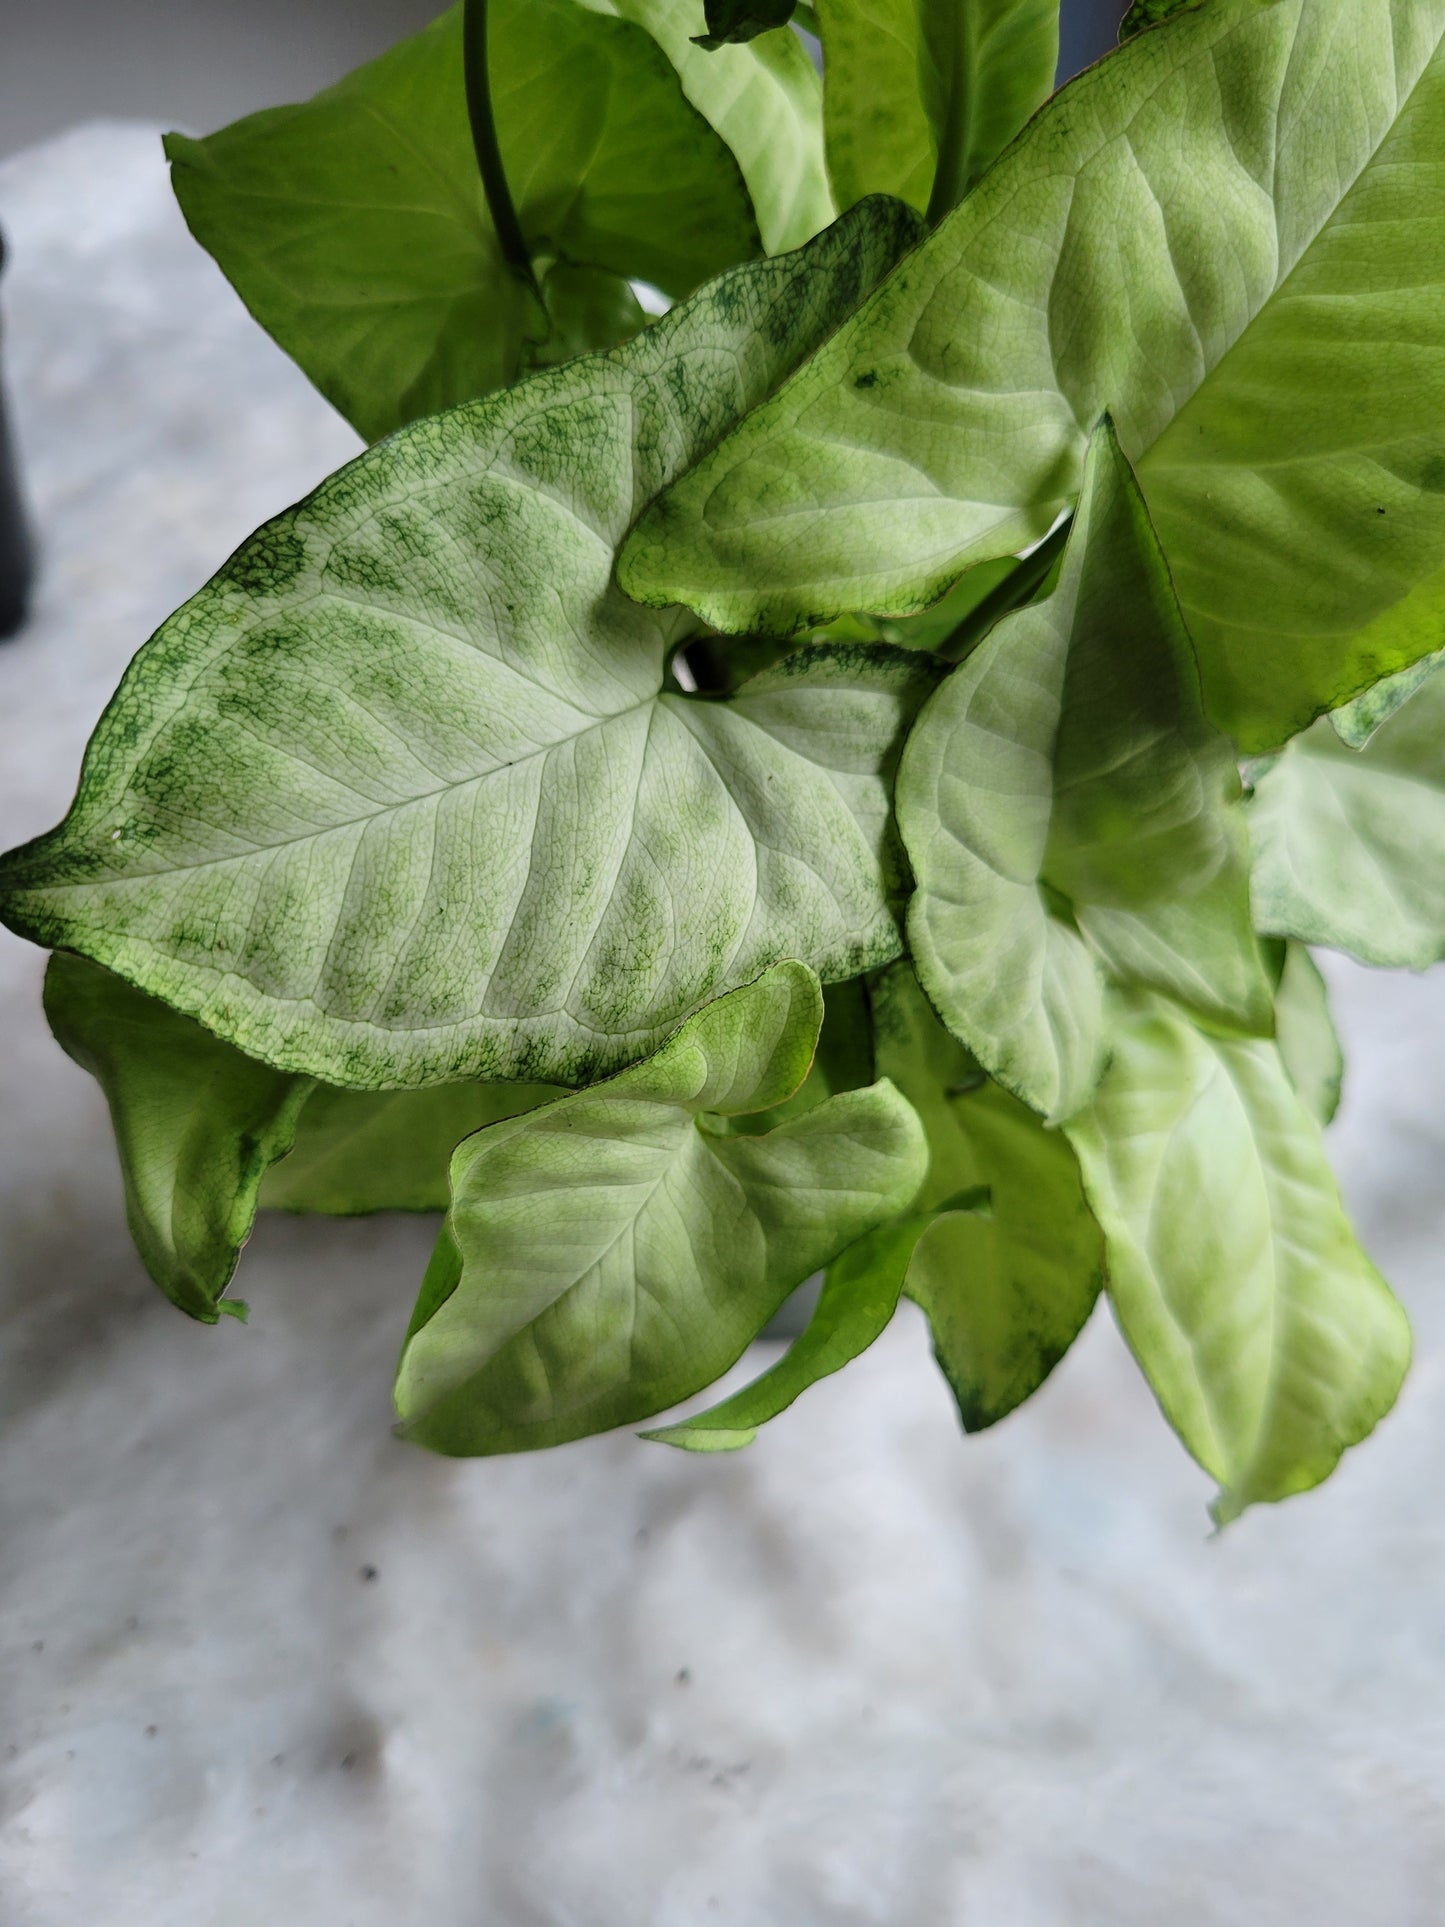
{"points": [[841, 776]]}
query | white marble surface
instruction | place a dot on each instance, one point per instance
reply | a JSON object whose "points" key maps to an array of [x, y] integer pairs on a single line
{"points": [[262, 1663]]}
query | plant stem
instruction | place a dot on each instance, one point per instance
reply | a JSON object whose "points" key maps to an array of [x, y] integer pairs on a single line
{"points": [[1017, 587], [489, 155], [950, 177]]}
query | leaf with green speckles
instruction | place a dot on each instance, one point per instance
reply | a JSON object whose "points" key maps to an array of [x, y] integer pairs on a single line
{"points": [[400, 798], [1007, 1285], [355, 229], [1231, 234], [613, 1253], [1356, 722], [917, 89], [859, 1296], [196, 1125], [1349, 845], [1069, 813], [1269, 1339]]}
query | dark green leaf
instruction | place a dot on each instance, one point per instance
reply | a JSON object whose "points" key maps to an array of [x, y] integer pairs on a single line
{"points": [[587, 309], [1008, 1284], [355, 229], [196, 1125]]}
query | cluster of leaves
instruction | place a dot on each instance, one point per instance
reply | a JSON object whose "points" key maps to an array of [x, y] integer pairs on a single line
{"points": [[763, 794]]}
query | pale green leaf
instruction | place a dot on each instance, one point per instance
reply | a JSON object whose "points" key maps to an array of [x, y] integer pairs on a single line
{"points": [[1349, 845], [859, 1296], [1305, 1033], [363, 1151], [843, 1060], [1068, 812], [1008, 1284], [355, 229], [615, 1252], [765, 100], [400, 797], [917, 89], [196, 1126], [1231, 234], [1269, 1339]]}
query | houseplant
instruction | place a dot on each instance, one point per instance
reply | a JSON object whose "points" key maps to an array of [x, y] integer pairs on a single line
{"points": [[760, 790]]}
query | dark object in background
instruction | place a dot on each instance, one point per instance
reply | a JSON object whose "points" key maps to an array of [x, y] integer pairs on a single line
{"points": [[1087, 30], [17, 558]]}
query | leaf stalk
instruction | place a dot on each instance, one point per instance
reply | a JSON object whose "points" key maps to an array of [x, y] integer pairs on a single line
{"points": [[1019, 586], [950, 178], [495, 186]]}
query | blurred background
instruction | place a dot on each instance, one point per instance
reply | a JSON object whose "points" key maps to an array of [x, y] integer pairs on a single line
{"points": [[196, 64]]}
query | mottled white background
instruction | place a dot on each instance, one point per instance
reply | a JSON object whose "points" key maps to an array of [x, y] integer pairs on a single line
{"points": [[262, 1664]]}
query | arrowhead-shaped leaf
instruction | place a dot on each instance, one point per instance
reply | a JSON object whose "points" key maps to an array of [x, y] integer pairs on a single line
{"points": [[1349, 845], [1008, 1284], [1269, 1338], [1227, 234], [1068, 811], [196, 1125], [355, 228], [399, 797], [612, 1253], [915, 88]]}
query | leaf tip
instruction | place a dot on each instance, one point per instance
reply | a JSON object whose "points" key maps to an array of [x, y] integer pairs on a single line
{"points": [[702, 1438]]}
